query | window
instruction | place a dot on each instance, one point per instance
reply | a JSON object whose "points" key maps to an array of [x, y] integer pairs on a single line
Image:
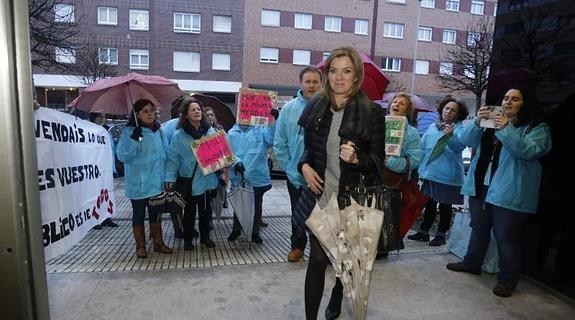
{"points": [[270, 18], [301, 57], [564, 48], [495, 10], [477, 7], [452, 5], [187, 61], [361, 26], [139, 59], [428, 3], [566, 21], [332, 24], [108, 56], [517, 4], [392, 64], [469, 72], [269, 55], [108, 15], [326, 55], [424, 34], [449, 36], [220, 61], [222, 24], [302, 21], [473, 38], [63, 13], [65, 55], [393, 30], [421, 67], [139, 19], [514, 28], [187, 22], [446, 68], [395, 1]]}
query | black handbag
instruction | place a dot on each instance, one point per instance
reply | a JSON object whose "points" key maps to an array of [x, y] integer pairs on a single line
{"points": [[168, 201], [389, 201]]}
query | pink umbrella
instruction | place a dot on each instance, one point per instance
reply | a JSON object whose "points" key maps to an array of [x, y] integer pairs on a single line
{"points": [[117, 95], [374, 81], [419, 103]]}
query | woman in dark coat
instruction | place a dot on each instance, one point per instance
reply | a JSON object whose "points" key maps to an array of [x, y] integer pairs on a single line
{"points": [[344, 137]]}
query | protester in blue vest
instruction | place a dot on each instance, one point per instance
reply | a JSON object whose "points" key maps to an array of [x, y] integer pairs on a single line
{"points": [[183, 170], [503, 183], [142, 149], [288, 149], [250, 145], [441, 170]]}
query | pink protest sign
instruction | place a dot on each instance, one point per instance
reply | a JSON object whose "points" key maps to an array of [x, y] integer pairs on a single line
{"points": [[254, 107], [213, 152]]}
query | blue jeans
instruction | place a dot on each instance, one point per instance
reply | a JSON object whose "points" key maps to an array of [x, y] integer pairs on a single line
{"points": [[507, 226]]}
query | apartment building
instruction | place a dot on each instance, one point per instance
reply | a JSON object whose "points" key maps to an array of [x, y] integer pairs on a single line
{"points": [[198, 44], [219, 46], [281, 36]]}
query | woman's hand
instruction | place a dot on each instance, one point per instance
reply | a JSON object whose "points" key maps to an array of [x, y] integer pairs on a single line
{"points": [[482, 113], [501, 121], [168, 186], [448, 129], [312, 179], [347, 153]]}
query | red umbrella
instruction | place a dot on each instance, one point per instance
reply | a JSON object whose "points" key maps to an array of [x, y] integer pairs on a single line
{"points": [[374, 82], [117, 95], [418, 102]]}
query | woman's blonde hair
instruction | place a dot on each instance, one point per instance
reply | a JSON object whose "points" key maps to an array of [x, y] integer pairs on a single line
{"points": [[352, 54]]}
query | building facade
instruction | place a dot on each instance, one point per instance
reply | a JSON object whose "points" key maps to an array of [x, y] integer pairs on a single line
{"points": [[282, 36], [198, 44], [218, 46]]}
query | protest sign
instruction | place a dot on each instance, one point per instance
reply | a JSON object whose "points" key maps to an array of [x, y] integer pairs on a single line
{"points": [[255, 106], [213, 152], [494, 112], [394, 131], [74, 178]]}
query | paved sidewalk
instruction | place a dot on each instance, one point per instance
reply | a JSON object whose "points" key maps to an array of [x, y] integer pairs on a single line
{"points": [[100, 278]]}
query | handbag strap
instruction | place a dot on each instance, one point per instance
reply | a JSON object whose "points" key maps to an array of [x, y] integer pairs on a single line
{"points": [[194, 173]]}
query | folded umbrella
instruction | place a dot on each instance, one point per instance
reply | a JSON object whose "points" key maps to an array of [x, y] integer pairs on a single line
{"points": [[241, 197]]}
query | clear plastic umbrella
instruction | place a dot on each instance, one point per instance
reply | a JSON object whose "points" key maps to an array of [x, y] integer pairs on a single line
{"points": [[218, 201], [349, 238], [241, 197]]}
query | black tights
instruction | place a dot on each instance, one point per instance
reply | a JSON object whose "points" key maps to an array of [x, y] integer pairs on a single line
{"points": [[445, 213], [315, 280]]}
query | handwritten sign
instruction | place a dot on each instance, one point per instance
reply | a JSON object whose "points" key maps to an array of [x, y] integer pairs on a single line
{"points": [[213, 152], [394, 131], [254, 107]]}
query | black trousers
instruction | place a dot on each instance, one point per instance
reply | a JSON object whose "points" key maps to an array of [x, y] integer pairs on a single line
{"points": [[298, 239], [315, 281], [194, 204], [139, 212], [445, 213]]}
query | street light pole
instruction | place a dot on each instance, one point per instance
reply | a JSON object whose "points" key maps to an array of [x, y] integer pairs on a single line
{"points": [[415, 48]]}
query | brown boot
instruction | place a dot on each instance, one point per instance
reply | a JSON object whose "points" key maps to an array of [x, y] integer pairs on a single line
{"points": [[295, 255], [159, 245], [140, 237]]}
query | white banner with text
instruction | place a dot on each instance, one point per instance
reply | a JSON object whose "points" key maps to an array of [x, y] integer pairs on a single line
{"points": [[74, 177]]}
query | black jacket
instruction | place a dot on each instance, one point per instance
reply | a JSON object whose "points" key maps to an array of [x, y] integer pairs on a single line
{"points": [[363, 124]]}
